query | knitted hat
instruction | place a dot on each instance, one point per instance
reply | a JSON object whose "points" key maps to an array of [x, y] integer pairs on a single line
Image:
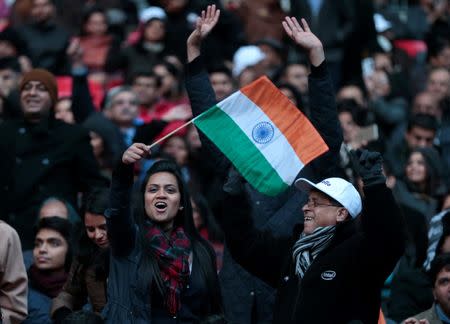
{"points": [[41, 75]]}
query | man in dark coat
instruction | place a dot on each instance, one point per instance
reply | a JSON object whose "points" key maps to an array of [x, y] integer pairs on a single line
{"points": [[246, 298], [47, 41], [332, 269], [41, 157]]}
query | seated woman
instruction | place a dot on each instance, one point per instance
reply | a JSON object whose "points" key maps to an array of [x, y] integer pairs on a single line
{"points": [[422, 185], [161, 270], [52, 257], [87, 278]]}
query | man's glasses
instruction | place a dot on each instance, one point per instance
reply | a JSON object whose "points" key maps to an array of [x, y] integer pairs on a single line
{"points": [[312, 203]]}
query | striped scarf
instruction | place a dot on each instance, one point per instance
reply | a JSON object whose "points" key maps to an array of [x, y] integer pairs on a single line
{"points": [[309, 246]]}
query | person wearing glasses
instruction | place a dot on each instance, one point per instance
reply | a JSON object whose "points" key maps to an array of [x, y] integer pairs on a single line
{"points": [[333, 267]]}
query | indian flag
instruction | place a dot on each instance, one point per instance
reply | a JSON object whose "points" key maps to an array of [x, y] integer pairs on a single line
{"points": [[263, 134]]}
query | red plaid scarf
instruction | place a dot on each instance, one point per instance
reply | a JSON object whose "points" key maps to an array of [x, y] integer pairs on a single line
{"points": [[172, 253]]}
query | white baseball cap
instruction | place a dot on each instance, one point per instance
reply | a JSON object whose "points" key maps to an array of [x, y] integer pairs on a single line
{"points": [[246, 56], [337, 188], [152, 13]]}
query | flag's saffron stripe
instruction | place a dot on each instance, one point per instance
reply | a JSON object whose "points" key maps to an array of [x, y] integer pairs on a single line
{"points": [[298, 131], [246, 157], [273, 146]]}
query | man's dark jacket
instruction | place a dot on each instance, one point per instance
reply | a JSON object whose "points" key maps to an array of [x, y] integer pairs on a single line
{"points": [[51, 158], [246, 298], [344, 281]]}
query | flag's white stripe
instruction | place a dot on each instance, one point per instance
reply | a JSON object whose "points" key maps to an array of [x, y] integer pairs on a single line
{"points": [[278, 152]]}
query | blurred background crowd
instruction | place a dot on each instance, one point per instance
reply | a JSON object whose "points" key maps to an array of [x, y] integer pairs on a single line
{"points": [[119, 67]]}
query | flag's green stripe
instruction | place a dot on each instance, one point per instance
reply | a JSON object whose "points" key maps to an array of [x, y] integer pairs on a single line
{"points": [[240, 150]]}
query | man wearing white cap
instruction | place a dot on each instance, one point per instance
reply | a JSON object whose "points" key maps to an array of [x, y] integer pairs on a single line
{"points": [[333, 267]]}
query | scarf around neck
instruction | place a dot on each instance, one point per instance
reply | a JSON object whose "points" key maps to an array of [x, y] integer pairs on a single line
{"points": [[48, 283], [172, 253], [307, 247]]}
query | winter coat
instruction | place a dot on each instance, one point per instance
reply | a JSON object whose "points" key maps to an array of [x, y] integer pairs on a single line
{"points": [[81, 287], [38, 307], [47, 43], [246, 298], [128, 300], [429, 315], [13, 277], [344, 281], [51, 158]]}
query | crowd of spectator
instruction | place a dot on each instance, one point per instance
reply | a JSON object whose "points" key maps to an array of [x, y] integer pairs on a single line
{"points": [[80, 81]]}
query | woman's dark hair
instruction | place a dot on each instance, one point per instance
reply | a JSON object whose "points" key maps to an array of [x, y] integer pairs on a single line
{"points": [[297, 95], [434, 185], [358, 113], [87, 13], [203, 253], [63, 227], [95, 202], [441, 261], [175, 72], [209, 222]]}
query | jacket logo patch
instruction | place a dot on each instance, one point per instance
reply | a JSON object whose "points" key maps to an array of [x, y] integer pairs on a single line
{"points": [[328, 275]]}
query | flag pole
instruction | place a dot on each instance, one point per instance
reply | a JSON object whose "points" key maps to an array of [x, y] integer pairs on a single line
{"points": [[172, 132]]}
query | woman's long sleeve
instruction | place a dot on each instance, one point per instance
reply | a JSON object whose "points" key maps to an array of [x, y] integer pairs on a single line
{"points": [[121, 227]]}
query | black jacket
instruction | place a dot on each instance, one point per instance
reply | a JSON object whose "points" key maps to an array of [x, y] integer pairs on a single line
{"points": [[246, 298], [344, 281], [47, 44], [49, 159]]}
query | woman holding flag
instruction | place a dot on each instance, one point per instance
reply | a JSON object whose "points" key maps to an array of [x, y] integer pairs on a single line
{"points": [[161, 269]]}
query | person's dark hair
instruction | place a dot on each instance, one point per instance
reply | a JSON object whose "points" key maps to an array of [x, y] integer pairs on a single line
{"points": [[86, 15], [441, 261], [95, 202], [209, 221], [203, 253], [276, 45], [434, 185], [359, 113], [176, 73], [435, 45], [63, 227], [11, 63], [145, 74], [220, 68], [424, 121], [11, 36], [171, 68], [83, 317], [295, 92]]}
